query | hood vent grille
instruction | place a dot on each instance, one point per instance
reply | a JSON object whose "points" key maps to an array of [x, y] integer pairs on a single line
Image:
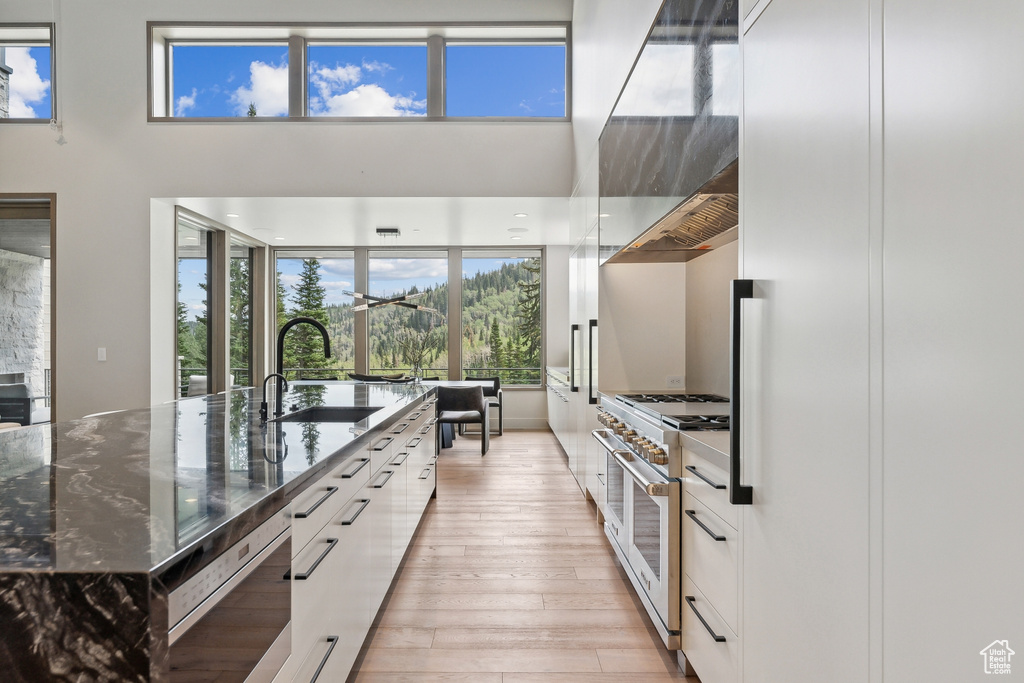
{"points": [[704, 221]]}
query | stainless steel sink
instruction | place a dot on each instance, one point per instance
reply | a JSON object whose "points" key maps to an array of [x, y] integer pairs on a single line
{"points": [[329, 414]]}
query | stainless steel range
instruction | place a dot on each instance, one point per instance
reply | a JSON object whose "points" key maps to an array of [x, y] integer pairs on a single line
{"points": [[644, 505]]}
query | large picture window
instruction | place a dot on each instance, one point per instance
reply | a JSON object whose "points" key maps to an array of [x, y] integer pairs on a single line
{"points": [[505, 80], [404, 339], [502, 314], [26, 73], [367, 80]]}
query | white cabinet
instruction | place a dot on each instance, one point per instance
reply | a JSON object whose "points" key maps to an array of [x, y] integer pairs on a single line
{"points": [[805, 423], [350, 531]]}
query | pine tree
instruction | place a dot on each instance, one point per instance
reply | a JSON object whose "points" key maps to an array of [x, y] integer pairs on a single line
{"points": [[252, 110], [304, 341], [529, 305], [240, 320], [497, 352]]}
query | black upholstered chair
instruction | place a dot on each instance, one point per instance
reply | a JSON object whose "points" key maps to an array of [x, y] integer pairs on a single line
{"points": [[493, 396], [462, 406]]}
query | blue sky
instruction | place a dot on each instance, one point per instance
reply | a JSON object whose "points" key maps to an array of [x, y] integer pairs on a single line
{"points": [[30, 82], [369, 80]]}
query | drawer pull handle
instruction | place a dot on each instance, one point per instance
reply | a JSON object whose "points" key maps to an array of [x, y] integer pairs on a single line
{"points": [[382, 444], [426, 429], [333, 640], [689, 601], [381, 484], [712, 484], [363, 462], [413, 443], [350, 520], [401, 428], [692, 514], [425, 474], [302, 576], [331, 490], [396, 462]]}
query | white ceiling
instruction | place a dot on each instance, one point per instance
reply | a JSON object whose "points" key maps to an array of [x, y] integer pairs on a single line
{"points": [[423, 221]]}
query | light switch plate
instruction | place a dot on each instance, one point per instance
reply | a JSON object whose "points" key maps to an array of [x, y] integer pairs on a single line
{"points": [[101, 353]]}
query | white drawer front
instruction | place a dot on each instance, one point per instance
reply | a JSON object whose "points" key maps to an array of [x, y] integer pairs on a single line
{"points": [[710, 563], [714, 661], [697, 474]]}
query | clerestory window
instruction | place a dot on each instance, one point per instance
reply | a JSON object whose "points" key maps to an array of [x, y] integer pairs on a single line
{"points": [[343, 72]]}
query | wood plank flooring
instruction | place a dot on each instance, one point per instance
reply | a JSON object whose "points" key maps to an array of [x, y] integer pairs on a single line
{"points": [[511, 580]]}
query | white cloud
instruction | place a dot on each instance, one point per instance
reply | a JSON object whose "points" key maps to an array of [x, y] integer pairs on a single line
{"points": [[336, 98], [371, 100], [409, 269], [185, 102], [27, 86], [267, 89]]}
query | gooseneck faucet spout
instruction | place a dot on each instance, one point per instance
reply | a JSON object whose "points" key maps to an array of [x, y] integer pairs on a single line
{"points": [[278, 411], [263, 404]]}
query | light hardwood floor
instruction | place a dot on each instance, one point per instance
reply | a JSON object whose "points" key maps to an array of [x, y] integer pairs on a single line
{"points": [[511, 580]]}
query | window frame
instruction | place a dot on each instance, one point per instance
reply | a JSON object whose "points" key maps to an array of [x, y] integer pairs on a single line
{"points": [[162, 36], [218, 304], [50, 42], [454, 318]]}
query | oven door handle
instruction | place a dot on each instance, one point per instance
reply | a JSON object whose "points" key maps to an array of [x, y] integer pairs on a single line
{"points": [[602, 438], [655, 490]]}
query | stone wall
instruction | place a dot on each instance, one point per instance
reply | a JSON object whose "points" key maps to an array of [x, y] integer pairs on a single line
{"points": [[23, 326], [5, 87]]}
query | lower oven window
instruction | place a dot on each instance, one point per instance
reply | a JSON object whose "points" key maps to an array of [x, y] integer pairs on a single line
{"points": [[647, 529], [616, 490]]}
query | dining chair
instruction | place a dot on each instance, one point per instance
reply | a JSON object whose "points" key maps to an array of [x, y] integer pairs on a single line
{"points": [[493, 395], [461, 406]]}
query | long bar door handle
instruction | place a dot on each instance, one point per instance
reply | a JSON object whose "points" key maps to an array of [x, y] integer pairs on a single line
{"points": [[689, 601], [738, 493], [381, 484], [692, 514], [655, 490], [383, 443], [355, 515], [363, 462], [302, 576], [573, 329], [333, 640], [712, 484], [331, 490], [591, 396]]}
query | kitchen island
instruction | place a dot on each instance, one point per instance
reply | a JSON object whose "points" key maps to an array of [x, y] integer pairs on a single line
{"points": [[102, 518]]}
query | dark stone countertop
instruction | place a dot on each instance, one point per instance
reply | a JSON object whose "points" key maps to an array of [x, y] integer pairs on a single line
{"points": [[144, 491]]}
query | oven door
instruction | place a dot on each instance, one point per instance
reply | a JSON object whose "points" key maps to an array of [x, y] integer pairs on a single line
{"points": [[654, 536], [616, 504]]}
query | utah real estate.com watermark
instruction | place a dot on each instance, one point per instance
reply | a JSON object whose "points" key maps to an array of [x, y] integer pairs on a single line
{"points": [[997, 657]]}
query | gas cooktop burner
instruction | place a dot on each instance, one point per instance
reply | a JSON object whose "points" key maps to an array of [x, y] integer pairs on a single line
{"points": [[704, 423], [674, 398]]}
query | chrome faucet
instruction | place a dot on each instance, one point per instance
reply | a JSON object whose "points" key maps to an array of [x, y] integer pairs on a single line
{"points": [[278, 411], [263, 404]]}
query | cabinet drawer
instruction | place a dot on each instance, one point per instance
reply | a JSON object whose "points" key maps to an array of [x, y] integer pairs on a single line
{"points": [[312, 579], [380, 450], [700, 478], [714, 661], [312, 510], [711, 564]]}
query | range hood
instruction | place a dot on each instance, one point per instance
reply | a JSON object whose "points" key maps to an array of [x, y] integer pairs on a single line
{"points": [[707, 219]]}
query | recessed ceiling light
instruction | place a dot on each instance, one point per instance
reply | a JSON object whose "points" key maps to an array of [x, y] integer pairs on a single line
{"points": [[603, 215], [192, 239], [518, 230], [278, 238], [520, 215], [516, 237], [231, 215]]}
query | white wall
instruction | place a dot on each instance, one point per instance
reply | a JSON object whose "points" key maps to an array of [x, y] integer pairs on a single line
{"points": [[643, 325], [708, 295], [113, 162]]}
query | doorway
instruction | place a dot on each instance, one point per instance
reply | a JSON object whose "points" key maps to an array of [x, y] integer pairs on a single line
{"points": [[27, 325]]}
